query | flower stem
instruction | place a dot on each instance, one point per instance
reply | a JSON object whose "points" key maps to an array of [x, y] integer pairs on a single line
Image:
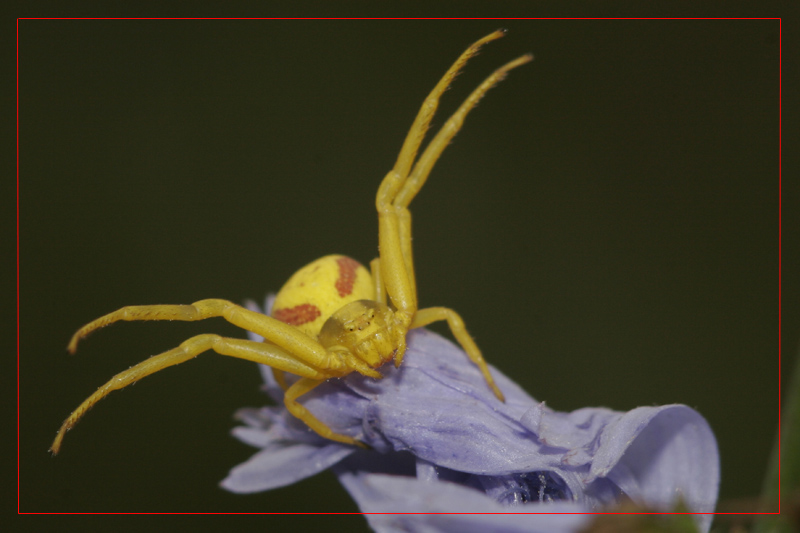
{"points": [[782, 484]]}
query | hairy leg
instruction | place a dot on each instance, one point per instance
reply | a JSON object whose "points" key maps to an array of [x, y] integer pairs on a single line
{"points": [[258, 352]]}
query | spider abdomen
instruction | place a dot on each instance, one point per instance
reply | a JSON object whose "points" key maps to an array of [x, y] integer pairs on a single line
{"points": [[319, 289]]}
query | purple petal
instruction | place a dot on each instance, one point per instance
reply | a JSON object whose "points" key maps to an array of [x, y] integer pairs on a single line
{"points": [[277, 466], [438, 406], [435, 423], [662, 454], [379, 493]]}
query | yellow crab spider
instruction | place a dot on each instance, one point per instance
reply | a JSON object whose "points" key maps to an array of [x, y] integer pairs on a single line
{"points": [[332, 317]]}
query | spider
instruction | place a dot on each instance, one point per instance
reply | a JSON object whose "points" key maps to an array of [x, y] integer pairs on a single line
{"points": [[332, 317]]}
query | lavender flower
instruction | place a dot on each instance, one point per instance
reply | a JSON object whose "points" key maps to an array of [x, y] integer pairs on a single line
{"points": [[442, 443]]}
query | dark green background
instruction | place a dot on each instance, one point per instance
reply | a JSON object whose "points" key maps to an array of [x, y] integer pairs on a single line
{"points": [[606, 223]]}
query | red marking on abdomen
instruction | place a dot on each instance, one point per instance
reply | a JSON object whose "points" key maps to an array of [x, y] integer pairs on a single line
{"points": [[297, 315], [347, 275]]}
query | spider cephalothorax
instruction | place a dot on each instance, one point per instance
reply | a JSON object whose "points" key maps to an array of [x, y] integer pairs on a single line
{"points": [[333, 317], [367, 329]]}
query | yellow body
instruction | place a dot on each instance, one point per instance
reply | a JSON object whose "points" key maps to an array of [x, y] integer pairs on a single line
{"points": [[332, 317], [319, 289]]}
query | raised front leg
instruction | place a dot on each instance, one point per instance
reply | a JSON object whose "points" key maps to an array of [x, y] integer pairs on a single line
{"points": [[394, 220], [399, 188]]}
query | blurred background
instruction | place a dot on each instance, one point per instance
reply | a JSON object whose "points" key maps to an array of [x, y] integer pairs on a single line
{"points": [[606, 223]]}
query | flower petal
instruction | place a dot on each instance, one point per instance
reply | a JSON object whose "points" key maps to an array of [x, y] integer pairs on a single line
{"points": [[380, 493], [277, 466], [661, 454], [442, 441], [438, 406]]}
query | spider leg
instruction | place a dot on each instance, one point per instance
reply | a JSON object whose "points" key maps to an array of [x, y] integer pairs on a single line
{"points": [[377, 279], [423, 119], [303, 386], [434, 150], [280, 378], [397, 191], [287, 337], [395, 220], [258, 352], [435, 314], [395, 247]]}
